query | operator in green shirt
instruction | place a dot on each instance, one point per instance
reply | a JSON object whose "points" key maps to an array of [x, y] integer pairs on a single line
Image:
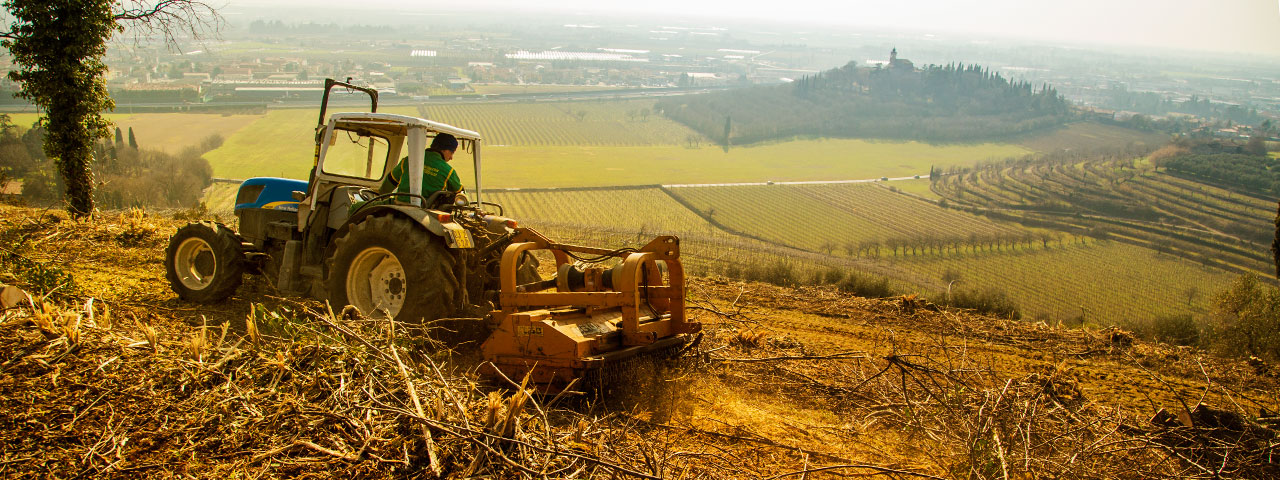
{"points": [[437, 174]]}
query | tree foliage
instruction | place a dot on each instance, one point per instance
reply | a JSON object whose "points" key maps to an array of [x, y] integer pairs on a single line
{"points": [[937, 103], [130, 177], [1158, 104], [1226, 164], [1245, 320], [1275, 243], [57, 48]]}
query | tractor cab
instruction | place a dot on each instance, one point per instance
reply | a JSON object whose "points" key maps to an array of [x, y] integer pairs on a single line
{"points": [[356, 151]]}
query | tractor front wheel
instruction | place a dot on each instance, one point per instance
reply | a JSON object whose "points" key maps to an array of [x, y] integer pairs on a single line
{"points": [[203, 262], [389, 266]]}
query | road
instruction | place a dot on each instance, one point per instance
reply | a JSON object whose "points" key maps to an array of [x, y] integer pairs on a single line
{"points": [[809, 182]]}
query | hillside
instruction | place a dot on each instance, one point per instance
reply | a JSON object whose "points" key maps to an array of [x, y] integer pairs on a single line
{"points": [[938, 103], [113, 377], [1122, 199]]}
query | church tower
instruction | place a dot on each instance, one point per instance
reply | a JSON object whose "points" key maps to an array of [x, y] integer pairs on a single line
{"points": [[893, 56]]}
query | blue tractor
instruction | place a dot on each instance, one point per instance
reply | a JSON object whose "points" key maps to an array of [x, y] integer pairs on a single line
{"points": [[423, 256], [336, 237]]}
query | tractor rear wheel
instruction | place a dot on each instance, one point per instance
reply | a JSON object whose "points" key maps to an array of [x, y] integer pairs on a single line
{"points": [[390, 266], [203, 262]]}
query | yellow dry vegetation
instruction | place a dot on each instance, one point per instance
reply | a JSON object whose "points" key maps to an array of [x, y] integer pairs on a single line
{"points": [[221, 197], [172, 132], [783, 381], [169, 132]]}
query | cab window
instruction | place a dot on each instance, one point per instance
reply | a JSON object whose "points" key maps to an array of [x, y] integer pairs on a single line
{"points": [[355, 154]]}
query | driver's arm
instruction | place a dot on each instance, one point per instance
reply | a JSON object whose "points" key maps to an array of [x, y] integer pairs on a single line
{"points": [[392, 181], [451, 181]]}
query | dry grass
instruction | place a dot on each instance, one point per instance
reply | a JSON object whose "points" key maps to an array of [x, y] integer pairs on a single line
{"points": [[120, 380]]}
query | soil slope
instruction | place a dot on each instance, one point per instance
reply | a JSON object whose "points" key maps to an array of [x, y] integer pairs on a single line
{"points": [[111, 376]]}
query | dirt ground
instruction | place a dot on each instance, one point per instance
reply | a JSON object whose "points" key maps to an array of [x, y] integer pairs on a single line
{"points": [[112, 376]]}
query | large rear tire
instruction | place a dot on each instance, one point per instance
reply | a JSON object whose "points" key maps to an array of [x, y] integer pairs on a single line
{"points": [[204, 262], [389, 265]]}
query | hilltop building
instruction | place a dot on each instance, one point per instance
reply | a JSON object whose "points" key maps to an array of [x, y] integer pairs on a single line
{"points": [[896, 63]]}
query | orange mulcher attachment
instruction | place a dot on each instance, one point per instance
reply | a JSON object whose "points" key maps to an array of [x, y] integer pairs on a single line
{"points": [[595, 317]]}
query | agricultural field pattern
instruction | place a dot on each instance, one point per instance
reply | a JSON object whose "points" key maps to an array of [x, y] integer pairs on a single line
{"points": [[605, 171]]}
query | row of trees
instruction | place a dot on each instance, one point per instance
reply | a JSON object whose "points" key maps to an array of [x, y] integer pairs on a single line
{"points": [[312, 28], [1113, 197], [126, 175], [1151, 103], [941, 245], [1241, 167], [937, 103]]}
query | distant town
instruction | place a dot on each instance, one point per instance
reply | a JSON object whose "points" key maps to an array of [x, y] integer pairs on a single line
{"points": [[263, 62]]}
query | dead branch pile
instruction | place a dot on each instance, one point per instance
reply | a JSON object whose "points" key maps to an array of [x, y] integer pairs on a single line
{"points": [[1217, 443], [910, 313], [329, 397], [970, 419]]}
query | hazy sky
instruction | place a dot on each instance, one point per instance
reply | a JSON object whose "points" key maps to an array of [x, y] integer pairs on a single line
{"points": [[1216, 25]]}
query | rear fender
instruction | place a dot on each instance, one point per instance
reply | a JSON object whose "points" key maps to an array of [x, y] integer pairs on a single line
{"points": [[453, 234]]}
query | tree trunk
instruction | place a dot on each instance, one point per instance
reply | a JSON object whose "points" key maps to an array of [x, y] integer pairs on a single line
{"points": [[70, 144]]}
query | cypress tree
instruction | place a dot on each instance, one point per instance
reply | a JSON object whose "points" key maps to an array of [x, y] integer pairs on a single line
{"points": [[1275, 244], [133, 142], [728, 125]]}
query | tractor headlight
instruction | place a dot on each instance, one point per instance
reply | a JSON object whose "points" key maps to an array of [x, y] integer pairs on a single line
{"points": [[460, 200]]}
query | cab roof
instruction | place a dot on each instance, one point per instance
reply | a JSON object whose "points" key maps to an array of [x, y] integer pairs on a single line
{"points": [[390, 123]]}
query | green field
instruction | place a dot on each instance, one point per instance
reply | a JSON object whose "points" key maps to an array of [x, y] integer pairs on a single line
{"points": [[281, 142], [838, 218], [559, 124], [278, 144], [171, 132], [1112, 282], [1050, 276], [23, 120], [627, 153], [919, 188], [799, 160], [647, 210], [1107, 197]]}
